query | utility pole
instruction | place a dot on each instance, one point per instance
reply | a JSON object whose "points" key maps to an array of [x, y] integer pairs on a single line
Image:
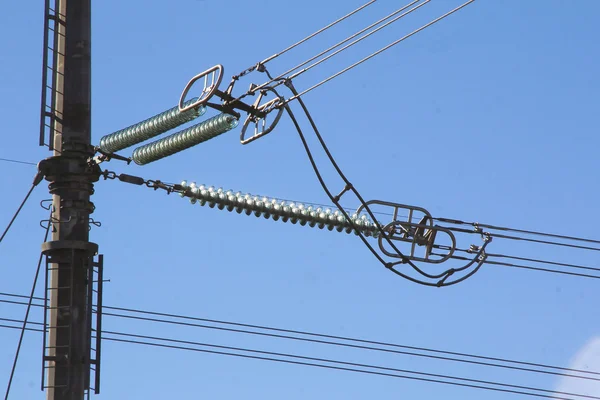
{"points": [[70, 255]]}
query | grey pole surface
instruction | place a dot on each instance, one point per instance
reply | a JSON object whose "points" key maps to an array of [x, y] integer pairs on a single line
{"points": [[71, 182]]}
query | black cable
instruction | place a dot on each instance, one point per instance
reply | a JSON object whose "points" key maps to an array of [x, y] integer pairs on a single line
{"points": [[364, 342], [508, 229], [511, 237], [349, 187], [555, 271], [538, 269], [30, 301], [348, 366], [549, 242], [38, 178], [535, 260], [17, 161], [18, 327], [337, 362], [20, 321], [355, 346]]}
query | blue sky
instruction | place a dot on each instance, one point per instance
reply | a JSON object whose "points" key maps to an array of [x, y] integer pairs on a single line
{"points": [[489, 116]]}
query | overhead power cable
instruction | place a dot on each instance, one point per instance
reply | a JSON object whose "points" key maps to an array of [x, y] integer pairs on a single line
{"points": [[529, 267], [490, 260], [278, 80], [456, 222], [29, 304], [525, 231], [17, 161], [320, 338], [38, 178], [321, 362], [312, 35], [348, 366], [364, 346], [323, 217], [356, 64]]}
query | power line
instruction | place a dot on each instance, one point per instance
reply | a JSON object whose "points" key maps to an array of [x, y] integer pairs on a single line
{"points": [[458, 222], [338, 365], [296, 96], [535, 260], [38, 178], [431, 377], [508, 229], [17, 161], [29, 303], [274, 56], [538, 269], [447, 220], [362, 343], [278, 79], [532, 268], [362, 347]]}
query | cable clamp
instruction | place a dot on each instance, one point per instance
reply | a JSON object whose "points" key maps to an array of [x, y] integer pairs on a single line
{"points": [[109, 174]]}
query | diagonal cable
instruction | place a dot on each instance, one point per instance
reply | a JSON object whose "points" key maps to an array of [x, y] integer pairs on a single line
{"points": [[29, 304]]}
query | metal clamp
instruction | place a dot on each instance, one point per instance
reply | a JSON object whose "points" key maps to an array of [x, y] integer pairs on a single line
{"points": [[421, 234], [216, 74], [260, 123], [415, 228]]}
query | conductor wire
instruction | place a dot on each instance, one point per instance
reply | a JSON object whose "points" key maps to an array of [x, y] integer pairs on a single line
{"points": [[24, 326], [528, 232], [349, 366], [274, 56], [379, 51], [325, 339], [254, 90], [444, 275]]}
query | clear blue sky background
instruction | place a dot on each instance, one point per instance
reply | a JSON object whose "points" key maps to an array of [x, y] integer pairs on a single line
{"points": [[490, 116]]}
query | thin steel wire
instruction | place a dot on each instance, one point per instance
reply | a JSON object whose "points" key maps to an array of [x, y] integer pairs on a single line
{"points": [[29, 304], [505, 264], [535, 260], [274, 56], [14, 217], [378, 51], [17, 161], [549, 242], [508, 229], [355, 346], [337, 365], [347, 366], [358, 40], [282, 75], [538, 269], [452, 221], [363, 343], [441, 279]]}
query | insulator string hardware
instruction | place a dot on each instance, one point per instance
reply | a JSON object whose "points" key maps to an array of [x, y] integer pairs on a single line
{"points": [[184, 139], [151, 127], [411, 227], [256, 123], [269, 207], [210, 79]]}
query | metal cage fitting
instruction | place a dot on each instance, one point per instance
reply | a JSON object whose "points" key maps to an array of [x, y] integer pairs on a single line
{"points": [[260, 123], [416, 229], [211, 85]]}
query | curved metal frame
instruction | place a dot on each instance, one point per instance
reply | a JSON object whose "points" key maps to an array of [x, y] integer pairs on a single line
{"points": [[479, 258], [414, 242], [207, 91], [266, 108]]}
